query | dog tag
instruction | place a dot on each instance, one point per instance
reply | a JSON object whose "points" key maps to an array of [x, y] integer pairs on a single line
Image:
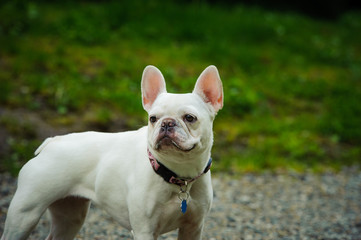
{"points": [[184, 206]]}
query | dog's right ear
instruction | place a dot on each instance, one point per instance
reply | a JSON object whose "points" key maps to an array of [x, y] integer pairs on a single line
{"points": [[153, 84]]}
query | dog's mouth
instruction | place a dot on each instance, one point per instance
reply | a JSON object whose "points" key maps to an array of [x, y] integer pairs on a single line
{"points": [[167, 141]]}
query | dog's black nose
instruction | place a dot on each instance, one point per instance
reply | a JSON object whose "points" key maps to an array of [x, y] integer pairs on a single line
{"points": [[168, 125]]}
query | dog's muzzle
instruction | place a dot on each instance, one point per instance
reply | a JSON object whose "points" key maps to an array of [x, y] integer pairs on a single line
{"points": [[167, 135]]}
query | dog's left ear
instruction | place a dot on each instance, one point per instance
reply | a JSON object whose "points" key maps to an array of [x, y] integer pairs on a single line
{"points": [[209, 88], [153, 84]]}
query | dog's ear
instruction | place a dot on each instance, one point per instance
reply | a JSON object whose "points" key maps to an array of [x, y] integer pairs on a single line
{"points": [[153, 84], [209, 88]]}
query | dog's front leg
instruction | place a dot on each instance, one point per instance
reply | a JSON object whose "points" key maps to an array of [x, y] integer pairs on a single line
{"points": [[143, 226], [190, 231], [145, 236], [142, 229], [143, 216]]}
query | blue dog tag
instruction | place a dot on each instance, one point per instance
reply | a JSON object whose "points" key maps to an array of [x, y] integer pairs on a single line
{"points": [[184, 206]]}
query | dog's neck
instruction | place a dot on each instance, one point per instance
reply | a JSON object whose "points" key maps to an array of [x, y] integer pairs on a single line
{"points": [[191, 168], [171, 177]]}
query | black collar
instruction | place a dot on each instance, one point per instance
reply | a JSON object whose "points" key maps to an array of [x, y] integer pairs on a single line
{"points": [[169, 176]]}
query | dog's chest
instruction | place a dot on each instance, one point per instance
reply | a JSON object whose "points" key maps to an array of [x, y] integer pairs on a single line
{"points": [[170, 215]]}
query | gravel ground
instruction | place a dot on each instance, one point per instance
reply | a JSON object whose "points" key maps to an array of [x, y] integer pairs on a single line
{"points": [[267, 206]]}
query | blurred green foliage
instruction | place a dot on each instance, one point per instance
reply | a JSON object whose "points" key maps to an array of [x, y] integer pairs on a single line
{"points": [[292, 84]]}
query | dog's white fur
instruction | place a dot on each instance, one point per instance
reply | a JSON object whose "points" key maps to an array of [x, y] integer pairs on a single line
{"points": [[113, 171]]}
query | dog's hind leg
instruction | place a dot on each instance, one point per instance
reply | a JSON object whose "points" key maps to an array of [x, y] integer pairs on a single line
{"points": [[22, 217], [67, 215]]}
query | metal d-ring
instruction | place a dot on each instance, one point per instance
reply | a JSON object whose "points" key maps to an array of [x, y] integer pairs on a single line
{"points": [[183, 193]]}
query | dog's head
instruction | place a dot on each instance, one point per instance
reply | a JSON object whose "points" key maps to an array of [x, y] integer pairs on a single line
{"points": [[181, 123]]}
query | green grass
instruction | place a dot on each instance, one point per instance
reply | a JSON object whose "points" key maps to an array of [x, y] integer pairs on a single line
{"points": [[292, 84]]}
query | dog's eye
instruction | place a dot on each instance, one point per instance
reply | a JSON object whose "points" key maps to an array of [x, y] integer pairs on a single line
{"points": [[152, 119], [190, 118]]}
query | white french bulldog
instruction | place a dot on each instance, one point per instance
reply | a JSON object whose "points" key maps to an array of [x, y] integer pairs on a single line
{"points": [[151, 181]]}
